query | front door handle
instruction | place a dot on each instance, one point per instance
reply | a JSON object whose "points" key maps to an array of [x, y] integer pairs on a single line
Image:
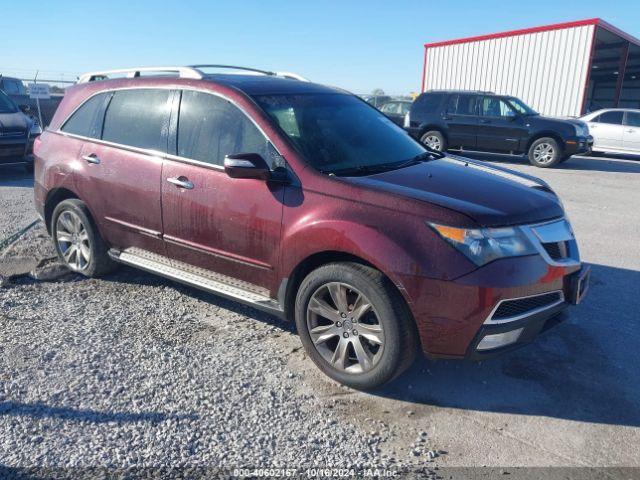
{"points": [[181, 182], [91, 159], [631, 130], [484, 120]]}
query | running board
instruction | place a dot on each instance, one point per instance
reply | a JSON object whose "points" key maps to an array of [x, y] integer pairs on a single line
{"points": [[206, 280]]}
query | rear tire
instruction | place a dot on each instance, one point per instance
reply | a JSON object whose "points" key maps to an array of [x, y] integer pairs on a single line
{"points": [[544, 153], [77, 240], [435, 140], [364, 338]]}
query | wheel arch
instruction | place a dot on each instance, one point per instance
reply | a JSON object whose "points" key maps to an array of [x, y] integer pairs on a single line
{"points": [[545, 133], [54, 197], [290, 286], [434, 126]]}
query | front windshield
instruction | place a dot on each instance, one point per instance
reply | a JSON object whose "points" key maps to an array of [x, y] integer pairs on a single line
{"points": [[339, 132], [6, 104], [521, 107]]}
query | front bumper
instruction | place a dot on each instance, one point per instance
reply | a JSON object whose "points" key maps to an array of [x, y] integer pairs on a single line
{"points": [[497, 337], [16, 150], [454, 317], [578, 145]]}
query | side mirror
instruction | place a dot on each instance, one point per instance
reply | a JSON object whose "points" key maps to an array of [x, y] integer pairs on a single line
{"points": [[25, 108], [247, 165]]}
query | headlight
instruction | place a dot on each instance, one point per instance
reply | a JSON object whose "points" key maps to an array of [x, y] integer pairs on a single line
{"points": [[35, 130], [581, 130], [482, 245]]}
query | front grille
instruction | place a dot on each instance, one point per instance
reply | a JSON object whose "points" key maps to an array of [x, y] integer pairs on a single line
{"points": [[556, 250], [6, 134], [520, 306]]}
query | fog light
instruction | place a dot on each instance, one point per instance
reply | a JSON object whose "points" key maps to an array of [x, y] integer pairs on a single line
{"points": [[499, 339]]}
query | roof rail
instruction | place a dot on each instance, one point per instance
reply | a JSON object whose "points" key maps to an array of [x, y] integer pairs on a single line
{"points": [[291, 75], [192, 71], [182, 72]]}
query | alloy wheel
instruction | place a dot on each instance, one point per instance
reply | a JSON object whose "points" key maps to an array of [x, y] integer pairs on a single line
{"points": [[433, 142], [73, 241], [544, 153], [345, 328]]}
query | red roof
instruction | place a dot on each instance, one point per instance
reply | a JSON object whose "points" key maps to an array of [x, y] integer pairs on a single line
{"points": [[544, 28]]}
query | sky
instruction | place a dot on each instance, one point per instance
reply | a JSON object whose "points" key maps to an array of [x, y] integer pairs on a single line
{"points": [[356, 45]]}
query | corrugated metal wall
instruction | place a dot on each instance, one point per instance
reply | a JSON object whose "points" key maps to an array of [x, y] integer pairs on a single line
{"points": [[548, 70]]}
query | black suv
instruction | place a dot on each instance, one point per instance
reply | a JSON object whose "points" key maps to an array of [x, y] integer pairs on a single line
{"points": [[484, 121], [17, 134]]}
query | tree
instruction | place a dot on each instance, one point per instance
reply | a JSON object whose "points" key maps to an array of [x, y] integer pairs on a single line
{"points": [[377, 92]]}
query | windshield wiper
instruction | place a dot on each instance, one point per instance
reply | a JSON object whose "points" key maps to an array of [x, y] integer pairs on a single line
{"points": [[384, 167]]}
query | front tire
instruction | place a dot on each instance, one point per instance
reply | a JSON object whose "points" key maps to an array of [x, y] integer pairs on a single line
{"points": [[434, 140], [545, 152], [354, 325], [77, 240]]}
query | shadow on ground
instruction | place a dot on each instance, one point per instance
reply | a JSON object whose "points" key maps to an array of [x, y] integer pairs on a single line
{"points": [[41, 410], [585, 369], [615, 164]]}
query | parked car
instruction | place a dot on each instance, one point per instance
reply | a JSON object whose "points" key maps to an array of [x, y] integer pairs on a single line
{"points": [[376, 100], [304, 201], [615, 130], [17, 134], [16, 91], [396, 110], [485, 121]]}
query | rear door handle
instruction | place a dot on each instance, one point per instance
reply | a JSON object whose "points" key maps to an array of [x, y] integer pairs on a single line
{"points": [[631, 130], [181, 182], [91, 159], [484, 120]]}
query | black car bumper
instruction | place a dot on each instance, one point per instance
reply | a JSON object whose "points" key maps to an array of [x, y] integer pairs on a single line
{"points": [[578, 145], [16, 150]]}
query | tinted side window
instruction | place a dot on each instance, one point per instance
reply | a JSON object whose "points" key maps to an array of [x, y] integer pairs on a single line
{"points": [[633, 119], [83, 120], [428, 102], [11, 87], [138, 118], [496, 107], [466, 105], [462, 105], [210, 127], [614, 117]]}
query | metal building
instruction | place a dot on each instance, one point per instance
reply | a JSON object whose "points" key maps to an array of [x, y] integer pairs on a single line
{"points": [[565, 69]]}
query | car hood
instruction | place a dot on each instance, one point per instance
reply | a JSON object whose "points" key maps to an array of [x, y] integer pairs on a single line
{"points": [[558, 120], [491, 196], [16, 122]]}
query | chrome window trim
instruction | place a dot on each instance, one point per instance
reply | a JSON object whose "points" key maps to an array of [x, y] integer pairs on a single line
{"points": [[155, 153], [491, 321]]}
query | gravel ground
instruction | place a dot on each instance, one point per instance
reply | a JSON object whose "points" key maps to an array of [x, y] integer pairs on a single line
{"points": [[133, 370], [16, 200]]}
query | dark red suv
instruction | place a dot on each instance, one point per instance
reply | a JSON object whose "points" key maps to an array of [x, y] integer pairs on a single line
{"points": [[305, 201]]}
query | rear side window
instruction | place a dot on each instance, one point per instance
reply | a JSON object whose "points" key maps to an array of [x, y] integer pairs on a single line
{"points": [[83, 121], [138, 118], [210, 127], [613, 117], [462, 105], [428, 102]]}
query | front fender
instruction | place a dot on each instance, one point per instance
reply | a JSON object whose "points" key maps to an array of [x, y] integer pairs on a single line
{"points": [[398, 244]]}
